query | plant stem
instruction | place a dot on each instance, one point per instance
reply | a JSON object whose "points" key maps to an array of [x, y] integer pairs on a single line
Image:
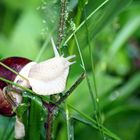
{"points": [[62, 23], [50, 107], [49, 125], [72, 88]]}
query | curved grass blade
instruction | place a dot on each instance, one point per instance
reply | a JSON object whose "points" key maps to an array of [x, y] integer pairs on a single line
{"points": [[98, 8], [131, 26], [111, 10], [12, 70], [94, 97], [35, 115], [90, 121], [17, 85], [70, 127]]}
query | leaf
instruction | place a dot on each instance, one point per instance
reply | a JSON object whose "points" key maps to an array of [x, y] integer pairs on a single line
{"points": [[35, 117], [34, 124], [88, 120], [108, 13], [100, 17], [6, 128], [70, 126], [21, 109], [131, 26], [123, 93]]}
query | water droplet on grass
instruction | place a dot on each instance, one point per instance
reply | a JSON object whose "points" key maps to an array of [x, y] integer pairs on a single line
{"points": [[86, 2], [43, 7], [43, 21], [38, 8]]}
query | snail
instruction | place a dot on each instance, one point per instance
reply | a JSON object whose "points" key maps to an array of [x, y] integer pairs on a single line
{"points": [[44, 78]]}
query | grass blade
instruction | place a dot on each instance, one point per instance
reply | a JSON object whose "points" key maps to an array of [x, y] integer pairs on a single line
{"points": [[99, 7], [87, 119], [124, 34], [94, 97], [70, 127], [34, 124]]}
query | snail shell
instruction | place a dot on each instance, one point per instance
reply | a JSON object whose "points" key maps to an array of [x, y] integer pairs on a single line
{"points": [[15, 63], [5, 106]]}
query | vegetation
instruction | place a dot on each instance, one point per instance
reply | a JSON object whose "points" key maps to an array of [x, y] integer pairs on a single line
{"points": [[104, 35]]}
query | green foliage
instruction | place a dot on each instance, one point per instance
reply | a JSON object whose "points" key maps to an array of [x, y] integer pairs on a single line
{"points": [[107, 36]]}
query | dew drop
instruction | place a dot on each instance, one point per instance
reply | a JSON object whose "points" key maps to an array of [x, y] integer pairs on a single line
{"points": [[97, 99], [86, 2], [73, 26], [38, 8], [52, 21], [44, 3], [43, 7], [43, 21], [114, 96]]}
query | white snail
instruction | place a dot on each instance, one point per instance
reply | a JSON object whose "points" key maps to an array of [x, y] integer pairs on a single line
{"points": [[48, 77]]}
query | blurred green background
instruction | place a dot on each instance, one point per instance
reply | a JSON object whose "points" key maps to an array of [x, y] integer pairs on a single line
{"points": [[110, 40]]}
